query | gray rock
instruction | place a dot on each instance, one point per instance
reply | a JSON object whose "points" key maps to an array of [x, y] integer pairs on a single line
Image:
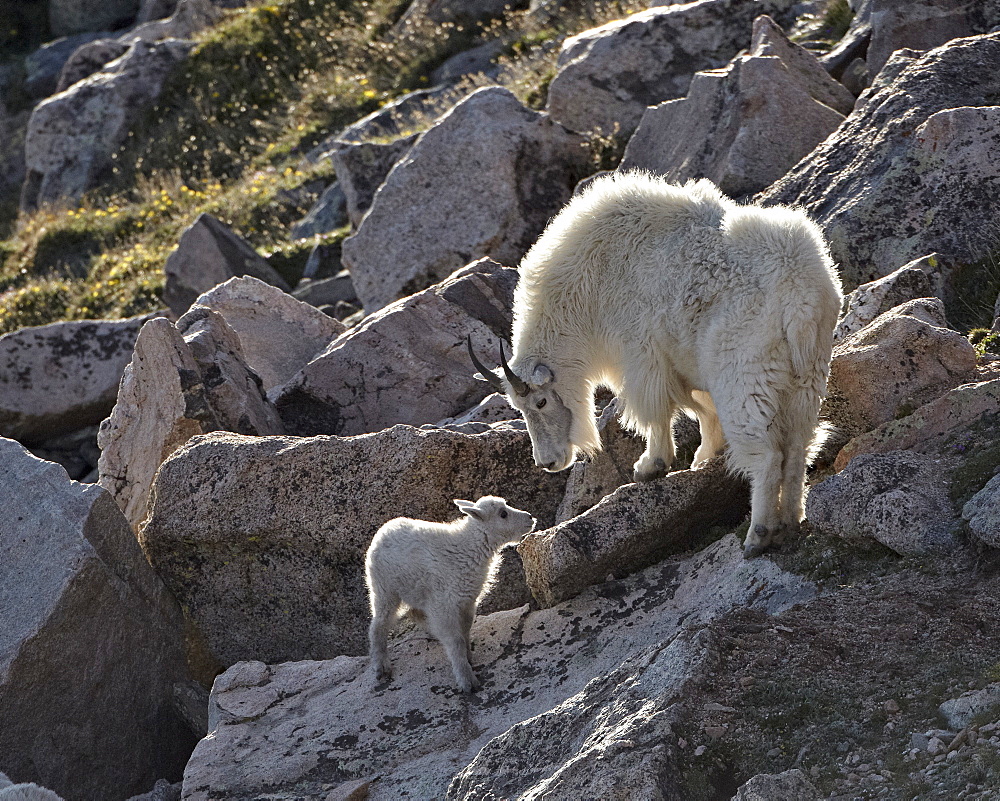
{"points": [[856, 77], [407, 363], [162, 791], [963, 424], [92, 641], [982, 512], [208, 254], [278, 334], [630, 529], [479, 60], [921, 278], [13, 128], [491, 409], [576, 699], [327, 214], [908, 172], [42, 67], [68, 17], [362, 167], [924, 24], [155, 9], [607, 76], [482, 182], [900, 361], [88, 59], [26, 792], [73, 135], [724, 128], [327, 291], [174, 388], [963, 711], [792, 785], [62, 377], [263, 539], [899, 498], [401, 117]]}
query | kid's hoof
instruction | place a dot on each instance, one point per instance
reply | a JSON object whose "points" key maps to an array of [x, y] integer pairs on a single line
{"points": [[658, 470]]}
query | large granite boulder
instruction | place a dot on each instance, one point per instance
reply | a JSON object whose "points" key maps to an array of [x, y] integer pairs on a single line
{"points": [[901, 360], [179, 383], [72, 136], [407, 363], [483, 181], [208, 254], [263, 539], [61, 377], [578, 700], [901, 499], [607, 76], [278, 334], [724, 128], [909, 172], [632, 528], [791, 785], [91, 642]]}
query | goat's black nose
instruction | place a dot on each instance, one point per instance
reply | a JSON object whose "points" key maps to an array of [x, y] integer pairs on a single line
{"points": [[550, 465]]}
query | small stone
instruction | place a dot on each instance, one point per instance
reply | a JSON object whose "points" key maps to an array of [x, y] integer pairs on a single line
{"points": [[746, 681], [891, 706], [774, 752], [699, 750], [682, 743], [716, 732], [714, 707], [935, 746]]}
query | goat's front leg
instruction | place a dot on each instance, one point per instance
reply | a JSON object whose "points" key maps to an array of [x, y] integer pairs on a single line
{"points": [[658, 457]]}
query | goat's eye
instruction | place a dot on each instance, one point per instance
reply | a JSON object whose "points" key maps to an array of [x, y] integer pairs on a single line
{"points": [[503, 513], [541, 403]]}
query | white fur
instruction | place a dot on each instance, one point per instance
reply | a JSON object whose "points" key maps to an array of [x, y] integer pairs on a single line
{"points": [[680, 299], [441, 570]]}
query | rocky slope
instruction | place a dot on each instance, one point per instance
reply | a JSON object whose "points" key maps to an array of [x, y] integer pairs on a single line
{"points": [[189, 490]]}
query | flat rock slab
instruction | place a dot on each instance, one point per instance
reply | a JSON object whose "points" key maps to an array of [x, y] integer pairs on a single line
{"points": [[982, 512], [263, 539], [408, 363], [630, 529], [483, 181], [910, 171], [538, 725], [91, 642], [61, 377]]}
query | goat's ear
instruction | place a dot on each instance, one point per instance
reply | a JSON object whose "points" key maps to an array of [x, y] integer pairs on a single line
{"points": [[468, 508], [542, 375]]}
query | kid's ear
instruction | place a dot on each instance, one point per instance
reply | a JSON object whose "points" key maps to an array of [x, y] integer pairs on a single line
{"points": [[468, 508]]}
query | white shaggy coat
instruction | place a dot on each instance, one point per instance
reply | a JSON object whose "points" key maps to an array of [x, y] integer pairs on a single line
{"points": [[679, 299], [441, 570]]}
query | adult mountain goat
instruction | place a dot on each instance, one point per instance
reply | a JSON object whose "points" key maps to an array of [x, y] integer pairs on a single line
{"points": [[678, 299]]}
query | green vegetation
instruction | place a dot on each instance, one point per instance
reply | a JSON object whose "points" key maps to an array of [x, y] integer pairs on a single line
{"points": [[976, 288]]}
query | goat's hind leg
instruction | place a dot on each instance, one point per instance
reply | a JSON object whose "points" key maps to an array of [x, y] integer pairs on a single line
{"points": [[713, 441], [447, 626], [765, 486], [385, 617]]}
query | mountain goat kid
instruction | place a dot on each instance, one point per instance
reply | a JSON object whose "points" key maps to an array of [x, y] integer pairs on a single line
{"points": [[441, 570], [678, 299]]}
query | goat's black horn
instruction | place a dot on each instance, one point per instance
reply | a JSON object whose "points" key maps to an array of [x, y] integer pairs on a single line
{"points": [[515, 381], [493, 378]]}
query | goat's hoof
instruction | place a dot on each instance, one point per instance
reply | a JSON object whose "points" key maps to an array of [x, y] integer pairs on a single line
{"points": [[658, 470], [756, 542], [383, 674], [469, 686]]}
